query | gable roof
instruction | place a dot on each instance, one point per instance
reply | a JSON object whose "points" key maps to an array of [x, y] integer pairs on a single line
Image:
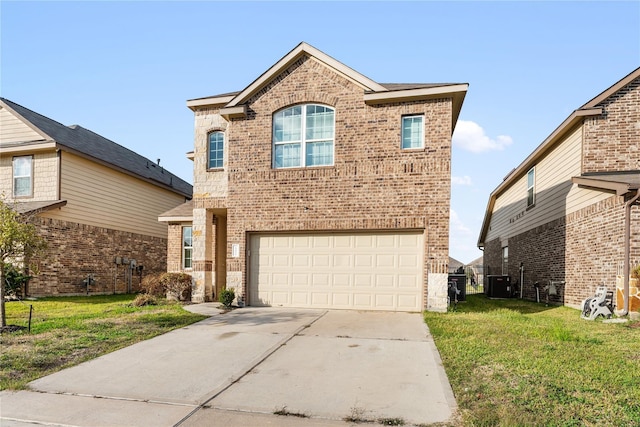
{"points": [[88, 144], [232, 104], [588, 109]]}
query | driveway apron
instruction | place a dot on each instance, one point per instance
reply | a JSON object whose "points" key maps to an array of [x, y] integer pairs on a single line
{"points": [[252, 362]]}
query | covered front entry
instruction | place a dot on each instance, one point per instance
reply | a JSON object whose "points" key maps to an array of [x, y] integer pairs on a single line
{"points": [[358, 270]]}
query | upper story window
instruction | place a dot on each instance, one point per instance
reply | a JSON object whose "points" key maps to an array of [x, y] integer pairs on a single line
{"points": [[216, 150], [303, 136], [531, 187], [412, 132], [187, 247], [23, 176]]}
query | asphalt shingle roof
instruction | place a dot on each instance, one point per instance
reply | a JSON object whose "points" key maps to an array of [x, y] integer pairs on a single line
{"points": [[76, 138]]}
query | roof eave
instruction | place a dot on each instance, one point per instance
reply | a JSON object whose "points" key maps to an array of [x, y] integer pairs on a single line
{"points": [[175, 218], [297, 52], [212, 101], [619, 188]]}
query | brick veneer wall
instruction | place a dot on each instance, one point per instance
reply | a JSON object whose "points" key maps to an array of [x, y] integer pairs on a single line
{"points": [[373, 185], [584, 248], [611, 141], [174, 248], [77, 250]]}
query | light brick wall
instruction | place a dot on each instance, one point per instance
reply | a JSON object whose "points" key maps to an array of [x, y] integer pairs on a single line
{"points": [[373, 185], [77, 250]]}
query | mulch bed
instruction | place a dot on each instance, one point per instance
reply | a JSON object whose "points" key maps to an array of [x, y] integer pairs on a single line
{"points": [[11, 329]]}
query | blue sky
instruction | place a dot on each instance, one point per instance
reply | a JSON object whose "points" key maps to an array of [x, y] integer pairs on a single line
{"points": [[126, 69]]}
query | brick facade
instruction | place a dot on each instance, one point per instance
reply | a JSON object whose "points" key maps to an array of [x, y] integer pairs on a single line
{"points": [[611, 141], [77, 250], [373, 184]]}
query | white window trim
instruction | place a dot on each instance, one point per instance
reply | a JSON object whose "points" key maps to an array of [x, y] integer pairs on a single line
{"points": [[531, 187], [209, 167], [505, 260], [14, 176], [184, 247], [303, 141], [410, 116]]}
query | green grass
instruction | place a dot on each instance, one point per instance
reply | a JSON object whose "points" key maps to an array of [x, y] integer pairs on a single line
{"points": [[518, 363], [70, 330]]}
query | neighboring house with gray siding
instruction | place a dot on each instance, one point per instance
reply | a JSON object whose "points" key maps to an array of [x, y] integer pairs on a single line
{"points": [[315, 186], [96, 202], [562, 214]]}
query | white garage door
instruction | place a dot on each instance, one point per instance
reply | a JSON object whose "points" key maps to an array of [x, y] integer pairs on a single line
{"points": [[367, 271]]}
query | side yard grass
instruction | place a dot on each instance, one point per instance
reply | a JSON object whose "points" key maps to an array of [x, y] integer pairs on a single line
{"points": [[518, 363], [66, 331]]}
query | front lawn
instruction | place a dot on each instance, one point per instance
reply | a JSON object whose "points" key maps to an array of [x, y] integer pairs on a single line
{"points": [[518, 363], [70, 330]]}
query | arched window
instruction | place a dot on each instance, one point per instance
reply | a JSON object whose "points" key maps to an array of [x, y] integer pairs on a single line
{"points": [[216, 150], [303, 136]]}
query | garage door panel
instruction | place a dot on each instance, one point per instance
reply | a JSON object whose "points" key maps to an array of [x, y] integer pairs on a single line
{"points": [[363, 260], [342, 260], [341, 300], [300, 298], [321, 260], [364, 270], [408, 260], [300, 280], [320, 299], [385, 281], [385, 301]]}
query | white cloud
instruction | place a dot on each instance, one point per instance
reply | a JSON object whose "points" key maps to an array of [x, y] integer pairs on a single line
{"points": [[456, 225], [462, 241], [471, 137], [461, 180]]}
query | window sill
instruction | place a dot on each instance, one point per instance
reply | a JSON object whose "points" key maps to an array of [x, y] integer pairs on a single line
{"points": [[531, 206], [215, 169], [303, 168]]}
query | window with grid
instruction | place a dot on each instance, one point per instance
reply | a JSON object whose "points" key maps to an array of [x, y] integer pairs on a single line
{"points": [[216, 150], [187, 247], [412, 132], [531, 187], [303, 135], [505, 260], [22, 176]]}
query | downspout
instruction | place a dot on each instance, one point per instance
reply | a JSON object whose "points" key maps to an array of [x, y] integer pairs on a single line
{"points": [[627, 251]]}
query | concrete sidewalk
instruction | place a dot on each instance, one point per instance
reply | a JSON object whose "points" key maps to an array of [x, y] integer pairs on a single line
{"points": [[238, 368]]}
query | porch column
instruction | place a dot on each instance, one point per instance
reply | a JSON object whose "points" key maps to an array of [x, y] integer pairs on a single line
{"points": [[203, 228]]}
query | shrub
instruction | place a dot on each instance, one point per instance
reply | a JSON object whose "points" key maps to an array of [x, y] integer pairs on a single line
{"points": [[151, 285], [226, 297], [177, 285], [635, 272], [144, 299], [14, 280]]}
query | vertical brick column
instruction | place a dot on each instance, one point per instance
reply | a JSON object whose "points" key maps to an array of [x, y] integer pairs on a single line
{"points": [[202, 257]]}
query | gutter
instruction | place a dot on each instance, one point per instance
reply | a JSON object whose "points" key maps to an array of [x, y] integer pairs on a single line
{"points": [[627, 251]]}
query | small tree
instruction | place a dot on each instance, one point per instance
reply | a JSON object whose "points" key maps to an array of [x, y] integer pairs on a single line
{"points": [[19, 239]]}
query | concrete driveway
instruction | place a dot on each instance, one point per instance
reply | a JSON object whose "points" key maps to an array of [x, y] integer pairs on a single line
{"points": [[317, 367]]}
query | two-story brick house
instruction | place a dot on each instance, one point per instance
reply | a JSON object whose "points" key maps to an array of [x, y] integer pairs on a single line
{"points": [[96, 203], [315, 186], [568, 213]]}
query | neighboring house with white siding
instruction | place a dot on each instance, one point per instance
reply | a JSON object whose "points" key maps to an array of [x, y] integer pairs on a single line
{"points": [[96, 202], [562, 214]]}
